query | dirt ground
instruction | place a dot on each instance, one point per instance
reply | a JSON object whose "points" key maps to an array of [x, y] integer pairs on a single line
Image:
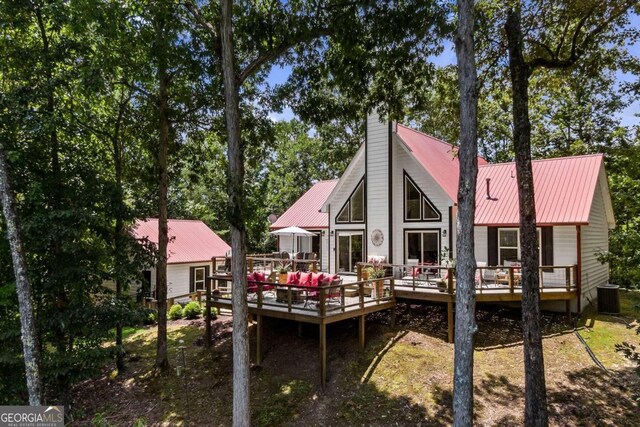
{"points": [[403, 377]]}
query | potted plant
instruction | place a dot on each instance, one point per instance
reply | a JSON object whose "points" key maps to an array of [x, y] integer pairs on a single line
{"points": [[376, 271], [283, 270]]}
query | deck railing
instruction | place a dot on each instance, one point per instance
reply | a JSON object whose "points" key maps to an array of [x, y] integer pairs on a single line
{"points": [[320, 301], [487, 278], [266, 263]]}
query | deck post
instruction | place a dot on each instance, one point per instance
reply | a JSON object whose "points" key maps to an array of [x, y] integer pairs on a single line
{"points": [[259, 340], [207, 315], [512, 279], [568, 308], [250, 264], [450, 320], [323, 353], [359, 270], [213, 265], [361, 331]]}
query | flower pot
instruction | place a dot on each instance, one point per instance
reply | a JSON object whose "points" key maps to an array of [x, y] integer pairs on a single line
{"points": [[378, 289], [365, 275], [282, 278]]}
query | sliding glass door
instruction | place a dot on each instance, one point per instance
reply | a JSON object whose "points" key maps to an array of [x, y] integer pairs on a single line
{"points": [[422, 246], [349, 250]]}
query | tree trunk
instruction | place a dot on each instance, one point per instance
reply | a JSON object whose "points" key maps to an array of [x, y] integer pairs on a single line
{"points": [[23, 286], [63, 342], [535, 413], [465, 326], [119, 229], [235, 188], [162, 359]]}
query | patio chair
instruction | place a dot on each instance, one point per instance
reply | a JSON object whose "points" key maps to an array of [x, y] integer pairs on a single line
{"points": [[332, 295], [252, 284]]}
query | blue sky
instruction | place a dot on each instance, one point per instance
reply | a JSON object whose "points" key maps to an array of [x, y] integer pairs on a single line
{"points": [[629, 116]]}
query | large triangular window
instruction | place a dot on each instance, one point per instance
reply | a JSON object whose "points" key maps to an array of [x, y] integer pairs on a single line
{"points": [[417, 206], [353, 209]]}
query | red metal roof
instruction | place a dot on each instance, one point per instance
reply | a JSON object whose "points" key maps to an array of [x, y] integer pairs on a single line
{"points": [[305, 212], [189, 240], [564, 190], [437, 157]]}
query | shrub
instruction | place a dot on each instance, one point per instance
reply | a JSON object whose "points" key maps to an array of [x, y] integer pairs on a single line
{"points": [[175, 312], [192, 310], [150, 317]]}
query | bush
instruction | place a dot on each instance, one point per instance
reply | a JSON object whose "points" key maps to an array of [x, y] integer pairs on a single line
{"points": [[192, 310], [148, 316], [175, 312]]}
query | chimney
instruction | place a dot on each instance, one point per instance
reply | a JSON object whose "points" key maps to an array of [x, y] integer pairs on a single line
{"points": [[489, 189]]}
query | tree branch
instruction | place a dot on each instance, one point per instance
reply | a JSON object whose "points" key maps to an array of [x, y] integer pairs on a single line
{"points": [[577, 48], [204, 24], [279, 50]]}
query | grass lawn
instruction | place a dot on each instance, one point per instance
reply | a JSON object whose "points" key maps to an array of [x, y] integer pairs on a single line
{"points": [[403, 377], [602, 332]]}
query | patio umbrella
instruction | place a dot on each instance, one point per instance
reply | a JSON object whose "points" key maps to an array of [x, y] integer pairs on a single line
{"points": [[292, 231]]}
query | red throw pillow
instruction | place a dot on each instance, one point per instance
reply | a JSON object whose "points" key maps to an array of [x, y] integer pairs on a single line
{"points": [[305, 279], [251, 277], [259, 277], [316, 278], [293, 278]]}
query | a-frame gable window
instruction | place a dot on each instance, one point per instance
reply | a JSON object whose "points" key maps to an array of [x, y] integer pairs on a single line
{"points": [[417, 206], [353, 209]]}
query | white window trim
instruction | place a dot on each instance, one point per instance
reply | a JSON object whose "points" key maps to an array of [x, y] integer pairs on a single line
{"points": [[204, 278]]}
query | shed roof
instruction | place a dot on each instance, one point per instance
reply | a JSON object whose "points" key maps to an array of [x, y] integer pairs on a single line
{"points": [[305, 212], [189, 240], [564, 191]]}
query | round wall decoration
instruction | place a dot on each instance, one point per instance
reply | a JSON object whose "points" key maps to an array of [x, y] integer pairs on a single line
{"points": [[377, 237]]}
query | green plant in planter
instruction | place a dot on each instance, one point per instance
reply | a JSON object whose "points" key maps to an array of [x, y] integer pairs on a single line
{"points": [[175, 312], [192, 310], [283, 267]]}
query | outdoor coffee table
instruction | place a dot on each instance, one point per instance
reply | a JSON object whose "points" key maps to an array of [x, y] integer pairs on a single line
{"points": [[297, 295]]}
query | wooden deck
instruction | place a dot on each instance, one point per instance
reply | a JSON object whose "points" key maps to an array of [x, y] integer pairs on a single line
{"points": [[320, 306], [497, 284], [353, 298]]}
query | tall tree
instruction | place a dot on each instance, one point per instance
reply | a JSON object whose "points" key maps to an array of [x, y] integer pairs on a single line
{"points": [[583, 26], [29, 337], [535, 413], [160, 48], [465, 326]]}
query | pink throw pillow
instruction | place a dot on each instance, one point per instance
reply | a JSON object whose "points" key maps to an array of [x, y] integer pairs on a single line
{"points": [[293, 278], [305, 279], [316, 278]]}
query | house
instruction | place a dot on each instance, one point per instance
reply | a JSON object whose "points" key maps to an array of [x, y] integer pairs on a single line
{"points": [[192, 244], [397, 199]]}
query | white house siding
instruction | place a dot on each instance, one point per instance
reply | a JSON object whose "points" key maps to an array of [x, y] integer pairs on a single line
{"points": [[178, 278], [324, 252], [481, 244], [595, 238], [285, 243], [340, 197], [403, 161], [377, 195]]}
